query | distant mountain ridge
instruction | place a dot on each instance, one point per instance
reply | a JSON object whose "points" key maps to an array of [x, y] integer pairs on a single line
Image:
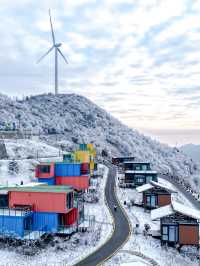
{"points": [[192, 151], [80, 120]]}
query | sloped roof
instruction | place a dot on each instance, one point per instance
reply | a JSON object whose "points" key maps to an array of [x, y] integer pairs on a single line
{"points": [[161, 212], [173, 208], [167, 187], [186, 210], [144, 187]]}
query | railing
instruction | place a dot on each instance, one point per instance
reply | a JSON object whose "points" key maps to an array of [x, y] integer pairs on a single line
{"points": [[15, 211]]}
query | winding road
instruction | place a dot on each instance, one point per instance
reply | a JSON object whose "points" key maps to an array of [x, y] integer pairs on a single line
{"points": [[121, 227]]}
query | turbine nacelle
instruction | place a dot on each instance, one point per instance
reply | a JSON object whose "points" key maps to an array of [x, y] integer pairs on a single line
{"points": [[58, 45]]}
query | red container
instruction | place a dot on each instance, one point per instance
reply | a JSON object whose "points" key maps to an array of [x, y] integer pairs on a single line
{"points": [[45, 170], [84, 168], [71, 217], [40, 201], [77, 182]]}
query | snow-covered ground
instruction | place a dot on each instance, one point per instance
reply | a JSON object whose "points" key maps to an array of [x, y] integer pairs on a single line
{"points": [[23, 169], [146, 245], [80, 245]]}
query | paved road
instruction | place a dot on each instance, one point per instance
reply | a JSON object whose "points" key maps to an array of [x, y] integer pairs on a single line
{"points": [[121, 231], [187, 194]]}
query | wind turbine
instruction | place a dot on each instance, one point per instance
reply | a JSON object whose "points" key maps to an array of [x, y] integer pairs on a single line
{"points": [[55, 46]]}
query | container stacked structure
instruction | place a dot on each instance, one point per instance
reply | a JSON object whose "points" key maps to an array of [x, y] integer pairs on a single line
{"points": [[41, 209]]}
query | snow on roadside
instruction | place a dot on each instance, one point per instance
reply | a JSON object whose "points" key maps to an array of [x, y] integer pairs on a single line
{"points": [[71, 251], [164, 256]]}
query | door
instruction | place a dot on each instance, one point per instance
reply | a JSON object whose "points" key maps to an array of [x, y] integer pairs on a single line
{"points": [[173, 233], [153, 201]]}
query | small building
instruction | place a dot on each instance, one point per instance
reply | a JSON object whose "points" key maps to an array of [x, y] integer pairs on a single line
{"points": [[45, 173], [27, 210], [155, 194], [139, 178], [179, 224], [136, 166], [119, 160]]}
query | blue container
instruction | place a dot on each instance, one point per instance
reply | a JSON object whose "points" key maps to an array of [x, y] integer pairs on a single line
{"points": [[67, 169], [50, 181], [15, 226], [45, 222], [83, 147]]}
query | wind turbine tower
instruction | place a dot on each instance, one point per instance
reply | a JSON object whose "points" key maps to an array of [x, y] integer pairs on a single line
{"points": [[56, 47]]}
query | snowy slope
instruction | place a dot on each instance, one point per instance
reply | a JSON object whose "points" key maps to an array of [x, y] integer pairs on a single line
{"points": [[192, 151], [80, 120], [23, 169]]}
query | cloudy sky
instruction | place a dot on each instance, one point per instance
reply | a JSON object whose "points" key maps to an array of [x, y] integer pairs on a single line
{"points": [[138, 59]]}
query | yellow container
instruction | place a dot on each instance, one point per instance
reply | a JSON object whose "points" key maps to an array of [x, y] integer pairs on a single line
{"points": [[82, 156], [90, 146], [91, 149], [91, 165]]}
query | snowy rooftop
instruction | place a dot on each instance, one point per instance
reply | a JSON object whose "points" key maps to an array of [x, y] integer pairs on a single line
{"points": [[33, 184], [173, 208], [186, 210], [144, 187], [134, 162], [161, 212], [161, 185], [140, 172]]}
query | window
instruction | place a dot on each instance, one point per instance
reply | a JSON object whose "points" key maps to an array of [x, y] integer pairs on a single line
{"points": [[165, 233], [170, 233], [137, 168], [144, 167], [44, 169], [70, 199], [148, 178], [151, 200], [139, 179]]}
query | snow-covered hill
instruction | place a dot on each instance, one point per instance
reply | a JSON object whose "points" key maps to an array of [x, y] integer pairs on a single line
{"points": [[192, 151], [79, 120]]}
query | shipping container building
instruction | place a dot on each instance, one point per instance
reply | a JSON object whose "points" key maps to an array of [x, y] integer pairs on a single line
{"points": [[82, 156], [67, 169], [120, 160], [48, 181], [27, 210], [85, 169], [68, 157], [15, 223], [178, 224], [80, 183], [139, 178], [83, 147], [45, 170], [155, 195], [136, 166], [56, 199]]}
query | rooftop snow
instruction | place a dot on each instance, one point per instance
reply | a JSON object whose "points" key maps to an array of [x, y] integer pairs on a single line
{"points": [[173, 208], [161, 212], [140, 172], [133, 162], [144, 187], [158, 184], [186, 210], [42, 188]]}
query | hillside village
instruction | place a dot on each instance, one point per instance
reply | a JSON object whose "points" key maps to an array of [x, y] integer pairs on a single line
{"points": [[154, 183]]}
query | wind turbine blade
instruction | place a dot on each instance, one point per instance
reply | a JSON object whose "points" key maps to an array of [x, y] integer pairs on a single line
{"points": [[52, 32], [62, 56], [45, 54]]}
